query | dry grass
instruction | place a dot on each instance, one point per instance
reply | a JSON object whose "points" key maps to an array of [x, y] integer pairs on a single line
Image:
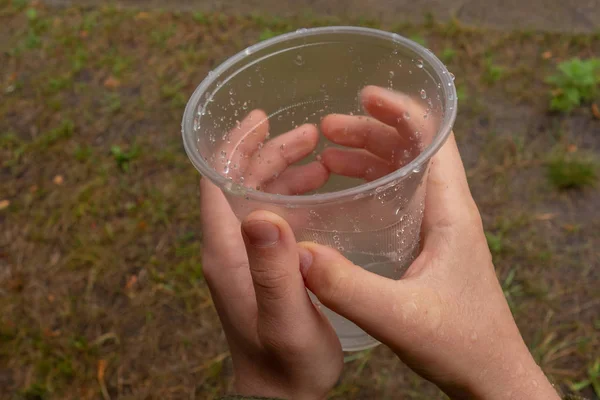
{"points": [[101, 288]]}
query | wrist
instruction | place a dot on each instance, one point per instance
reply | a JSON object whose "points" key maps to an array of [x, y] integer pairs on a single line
{"points": [[517, 377]]}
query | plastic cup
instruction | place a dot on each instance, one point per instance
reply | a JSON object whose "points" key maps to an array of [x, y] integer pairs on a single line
{"points": [[236, 132]]}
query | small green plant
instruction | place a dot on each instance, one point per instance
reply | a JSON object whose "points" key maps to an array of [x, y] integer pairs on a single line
{"points": [[60, 83], [124, 158], [492, 73], [511, 289], [113, 102], [566, 171], [448, 55], [34, 392], [419, 39], [267, 33], [31, 14], [495, 242], [120, 64], [160, 37], [576, 82], [82, 153], [20, 4], [593, 379], [78, 59], [63, 131], [201, 18], [33, 41], [461, 92]]}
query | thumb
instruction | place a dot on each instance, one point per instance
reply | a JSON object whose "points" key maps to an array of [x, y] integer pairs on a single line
{"points": [[281, 297], [367, 299]]}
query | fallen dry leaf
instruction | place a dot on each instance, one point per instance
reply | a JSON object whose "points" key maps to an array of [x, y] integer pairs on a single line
{"points": [[58, 180], [142, 15], [4, 204], [51, 333], [54, 258], [596, 111], [570, 227], [101, 369], [547, 55], [131, 282], [571, 148], [51, 298], [545, 216], [112, 83]]}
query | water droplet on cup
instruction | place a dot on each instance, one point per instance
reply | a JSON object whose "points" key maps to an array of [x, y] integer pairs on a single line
{"points": [[299, 61], [302, 30], [247, 51], [406, 115], [423, 94], [419, 63], [232, 101], [452, 76], [391, 74]]}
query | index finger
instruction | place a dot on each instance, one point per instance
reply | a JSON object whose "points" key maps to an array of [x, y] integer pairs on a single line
{"points": [[225, 264]]}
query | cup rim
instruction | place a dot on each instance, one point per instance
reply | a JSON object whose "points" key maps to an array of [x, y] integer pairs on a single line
{"points": [[228, 186]]}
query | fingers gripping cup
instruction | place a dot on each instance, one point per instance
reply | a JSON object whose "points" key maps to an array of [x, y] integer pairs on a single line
{"points": [[333, 129]]}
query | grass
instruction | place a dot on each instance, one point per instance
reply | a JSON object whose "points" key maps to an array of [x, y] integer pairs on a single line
{"points": [[102, 268], [576, 82], [492, 72], [572, 171], [592, 380]]}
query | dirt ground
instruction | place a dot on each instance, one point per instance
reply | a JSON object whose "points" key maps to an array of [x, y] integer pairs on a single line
{"points": [[547, 15], [101, 287]]}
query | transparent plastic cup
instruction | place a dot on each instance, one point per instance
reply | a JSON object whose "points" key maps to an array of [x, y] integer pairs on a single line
{"points": [[333, 129]]}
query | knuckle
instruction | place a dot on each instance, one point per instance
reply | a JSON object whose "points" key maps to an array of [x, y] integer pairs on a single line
{"points": [[291, 345], [273, 284], [336, 287]]}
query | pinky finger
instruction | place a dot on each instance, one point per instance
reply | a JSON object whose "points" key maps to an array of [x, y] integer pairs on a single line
{"points": [[299, 179]]}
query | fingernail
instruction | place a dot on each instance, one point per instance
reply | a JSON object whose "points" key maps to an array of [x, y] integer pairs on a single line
{"points": [[261, 233], [306, 259]]}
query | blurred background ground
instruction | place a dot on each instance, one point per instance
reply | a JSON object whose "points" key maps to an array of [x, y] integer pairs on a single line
{"points": [[101, 287], [548, 15]]}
